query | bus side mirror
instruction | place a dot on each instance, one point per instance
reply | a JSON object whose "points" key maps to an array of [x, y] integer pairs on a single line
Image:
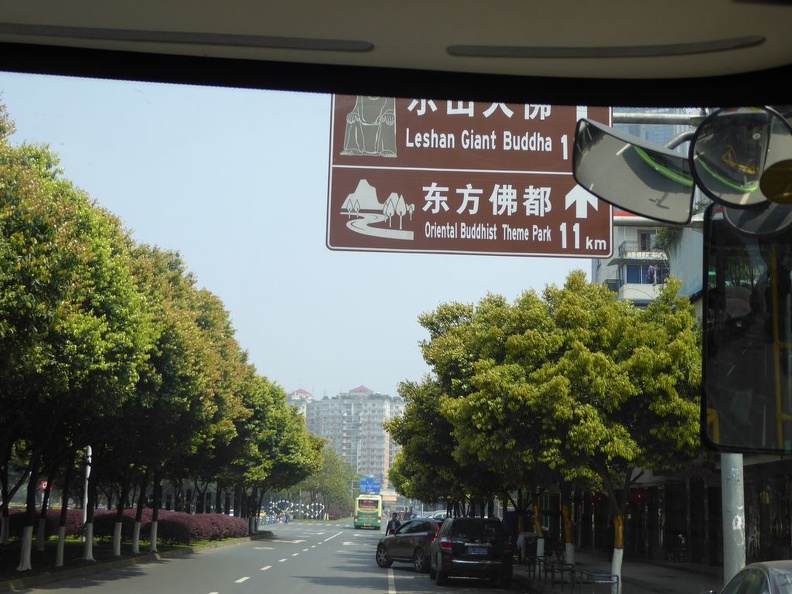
{"points": [[632, 173]]}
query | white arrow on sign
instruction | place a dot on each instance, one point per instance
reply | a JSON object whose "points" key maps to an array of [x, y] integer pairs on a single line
{"points": [[581, 198]]}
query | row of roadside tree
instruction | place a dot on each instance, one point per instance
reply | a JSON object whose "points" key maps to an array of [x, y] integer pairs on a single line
{"points": [[108, 346], [571, 389]]}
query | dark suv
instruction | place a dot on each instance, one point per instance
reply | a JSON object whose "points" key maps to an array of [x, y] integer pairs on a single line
{"points": [[410, 544], [472, 547]]}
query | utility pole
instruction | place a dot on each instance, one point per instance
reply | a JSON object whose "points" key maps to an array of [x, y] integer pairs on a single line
{"points": [[733, 498], [732, 479]]}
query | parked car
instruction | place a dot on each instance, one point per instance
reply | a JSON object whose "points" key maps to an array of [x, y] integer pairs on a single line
{"points": [[766, 577], [411, 544], [472, 547]]}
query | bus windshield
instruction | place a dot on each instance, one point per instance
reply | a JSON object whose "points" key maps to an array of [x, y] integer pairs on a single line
{"points": [[748, 347]]}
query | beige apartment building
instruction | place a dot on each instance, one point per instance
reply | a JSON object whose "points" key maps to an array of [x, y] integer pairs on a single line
{"points": [[352, 424]]}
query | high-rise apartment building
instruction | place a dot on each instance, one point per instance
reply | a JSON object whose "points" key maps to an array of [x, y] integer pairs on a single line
{"points": [[352, 424]]}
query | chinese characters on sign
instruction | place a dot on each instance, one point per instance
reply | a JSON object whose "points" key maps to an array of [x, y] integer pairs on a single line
{"points": [[460, 177]]}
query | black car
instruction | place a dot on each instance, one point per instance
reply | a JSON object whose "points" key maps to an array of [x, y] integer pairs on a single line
{"points": [[410, 544], [472, 547]]}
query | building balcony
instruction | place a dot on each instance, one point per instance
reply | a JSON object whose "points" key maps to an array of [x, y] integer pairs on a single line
{"points": [[639, 292], [636, 250]]}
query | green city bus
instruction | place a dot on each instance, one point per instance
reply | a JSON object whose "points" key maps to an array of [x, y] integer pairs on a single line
{"points": [[368, 511]]}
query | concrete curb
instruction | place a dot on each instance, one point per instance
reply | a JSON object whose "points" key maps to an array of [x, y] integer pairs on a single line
{"points": [[95, 567]]}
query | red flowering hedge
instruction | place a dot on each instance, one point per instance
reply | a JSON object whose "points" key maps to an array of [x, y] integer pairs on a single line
{"points": [[172, 528], [16, 522]]}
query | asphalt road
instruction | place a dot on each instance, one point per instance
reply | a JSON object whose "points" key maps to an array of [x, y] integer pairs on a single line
{"points": [[302, 558]]}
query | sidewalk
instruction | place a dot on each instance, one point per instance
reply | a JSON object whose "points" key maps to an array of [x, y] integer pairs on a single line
{"points": [[638, 577]]}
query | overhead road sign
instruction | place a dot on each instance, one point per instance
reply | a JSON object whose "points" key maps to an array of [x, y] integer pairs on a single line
{"points": [[370, 485], [410, 175]]}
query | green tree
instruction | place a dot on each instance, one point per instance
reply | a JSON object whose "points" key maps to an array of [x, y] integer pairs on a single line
{"points": [[424, 468], [581, 385], [625, 386], [73, 333], [329, 486]]}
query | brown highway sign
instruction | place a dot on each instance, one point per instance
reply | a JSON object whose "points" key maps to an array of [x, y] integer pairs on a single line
{"points": [[460, 177]]}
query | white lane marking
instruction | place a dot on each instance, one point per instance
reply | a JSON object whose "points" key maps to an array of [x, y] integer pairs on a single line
{"points": [[295, 554], [264, 548], [290, 541], [332, 537], [306, 550], [240, 580], [282, 560], [266, 567], [391, 582]]}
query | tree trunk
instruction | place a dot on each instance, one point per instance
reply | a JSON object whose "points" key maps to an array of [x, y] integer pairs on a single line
{"points": [[64, 510], [218, 504], [6, 494], [238, 500], [25, 563], [27, 546], [117, 538], [61, 546], [41, 535], [155, 511], [618, 549], [540, 541], [200, 498], [141, 503], [119, 519], [568, 527], [4, 521]]}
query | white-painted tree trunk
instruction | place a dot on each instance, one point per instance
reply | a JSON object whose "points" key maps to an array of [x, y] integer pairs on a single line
{"points": [[88, 544], [153, 544], [41, 535], [27, 546], [569, 553], [540, 547], [59, 551], [616, 567], [117, 539], [136, 538]]}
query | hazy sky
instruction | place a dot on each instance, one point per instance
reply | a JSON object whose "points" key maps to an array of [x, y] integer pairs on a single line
{"points": [[236, 182]]}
